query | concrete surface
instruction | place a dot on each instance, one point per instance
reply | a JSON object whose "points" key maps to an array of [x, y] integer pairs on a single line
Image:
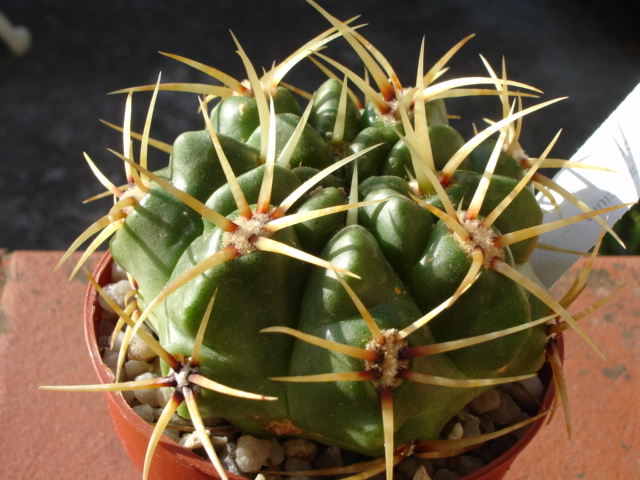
{"points": [[51, 99]]}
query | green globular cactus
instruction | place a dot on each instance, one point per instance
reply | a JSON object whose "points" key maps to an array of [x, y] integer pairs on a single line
{"points": [[362, 270]]}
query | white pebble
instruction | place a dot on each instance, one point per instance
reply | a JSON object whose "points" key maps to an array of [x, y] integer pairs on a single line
{"points": [[164, 394], [110, 359], [408, 468], [117, 273], [139, 350], [455, 432], [116, 292], [421, 474], [191, 441], [252, 453], [117, 344], [262, 476], [136, 367], [147, 395], [219, 443], [145, 412], [178, 421]]}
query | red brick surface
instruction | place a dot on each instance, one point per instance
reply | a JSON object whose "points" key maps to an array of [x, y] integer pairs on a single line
{"points": [[604, 395], [52, 435]]}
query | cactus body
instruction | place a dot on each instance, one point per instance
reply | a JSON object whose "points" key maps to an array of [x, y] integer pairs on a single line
{"points": [[407, 260]]}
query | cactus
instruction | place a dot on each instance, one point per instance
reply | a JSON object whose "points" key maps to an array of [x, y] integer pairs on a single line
{"points": [[352, 274], [628, 229]]}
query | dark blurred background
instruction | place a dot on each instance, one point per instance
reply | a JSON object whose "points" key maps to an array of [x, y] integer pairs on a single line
{"points": [[52, 98]]}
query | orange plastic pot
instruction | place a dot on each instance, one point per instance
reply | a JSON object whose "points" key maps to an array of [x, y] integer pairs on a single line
{"points": [[171, 461]]}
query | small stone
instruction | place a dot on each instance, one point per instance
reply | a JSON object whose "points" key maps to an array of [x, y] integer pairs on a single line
{"points": [[294, 464], [136, 367], [145, 412], [528, 392], [262, 476], [485, 403], [117, 344], [227, 459], [422, 473], [191, 441], [300, 448], [178, 421], [410, 467], [252, 453], [439, 462], [455, 432], [118, 273], [172, 434], [464, 414], [104, 341], [277, 454], [128, 396], [508, 411], [116, 292], [330, 458], [471, 427], [139, 350], [219, 443], [445, 474], [147, 395], [486, 424], [468, 464], [110, 359], [163, 395], [157, 368]]}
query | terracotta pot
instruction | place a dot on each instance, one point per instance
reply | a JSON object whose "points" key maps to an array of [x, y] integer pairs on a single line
{"points": [[171, 461]]}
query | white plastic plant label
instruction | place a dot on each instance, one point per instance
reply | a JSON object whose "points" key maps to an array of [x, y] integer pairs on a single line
{"points": [[615, 146]]}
